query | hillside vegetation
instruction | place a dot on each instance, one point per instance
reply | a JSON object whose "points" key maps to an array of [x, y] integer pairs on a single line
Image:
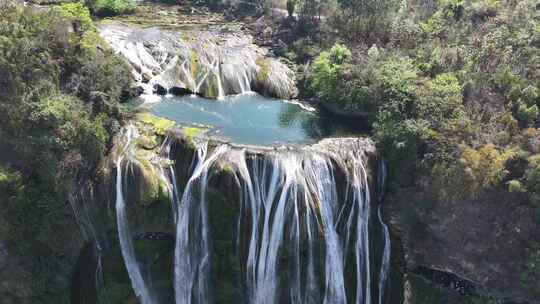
{"points": [[452, 89], [58, 110]]}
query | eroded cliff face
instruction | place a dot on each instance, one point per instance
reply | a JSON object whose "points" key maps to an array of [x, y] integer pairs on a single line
{"points": [[467, 248], [43, 275]]}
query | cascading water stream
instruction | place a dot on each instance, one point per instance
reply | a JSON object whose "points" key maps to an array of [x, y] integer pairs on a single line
{"points": [[217, 74], [385, 263], [361, 200], [306, 210], [128, 252], [188, 76], [247, 83], [160, 57], [192, 254], [282, 189], [322, 181], [203, 78]]}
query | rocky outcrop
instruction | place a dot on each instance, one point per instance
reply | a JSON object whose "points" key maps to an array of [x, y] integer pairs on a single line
{"points": [[159, 89], [483, 242], [178, 91]]}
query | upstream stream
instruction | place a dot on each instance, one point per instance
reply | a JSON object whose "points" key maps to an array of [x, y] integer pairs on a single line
{"points": [[261, 208]]}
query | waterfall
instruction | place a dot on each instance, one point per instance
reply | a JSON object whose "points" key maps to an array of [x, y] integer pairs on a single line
{"points": [[168, 176], [281, 190], [189, 77], [217, 74], [302, 234], [203, 78], [243, 80], [322, 181], [192, 254], [385, 263], [242, 85], [160, 57], [124, 235], [246, 87], [361, 206]]}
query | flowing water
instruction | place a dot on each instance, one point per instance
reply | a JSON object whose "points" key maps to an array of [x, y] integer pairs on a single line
{"points": [[213, 63], [385, 263], [302, 223], [192, 255], [124, 235], [302, 231]]}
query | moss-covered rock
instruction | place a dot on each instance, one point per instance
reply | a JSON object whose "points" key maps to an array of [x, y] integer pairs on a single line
{"points": [[158, 125]]}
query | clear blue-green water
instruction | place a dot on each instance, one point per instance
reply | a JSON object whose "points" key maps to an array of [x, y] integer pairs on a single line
{"points": [[248, 119]]}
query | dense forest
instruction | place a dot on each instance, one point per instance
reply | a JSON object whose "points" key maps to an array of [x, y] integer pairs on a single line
{"points": [[450, 90]]}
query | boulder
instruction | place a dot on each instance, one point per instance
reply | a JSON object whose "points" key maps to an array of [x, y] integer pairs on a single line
{"points": [[178, 91], [159, 89], [146, 77], [4, 257]]}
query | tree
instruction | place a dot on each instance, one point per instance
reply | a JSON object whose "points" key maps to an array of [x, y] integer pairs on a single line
{"points": [[366, 17]]}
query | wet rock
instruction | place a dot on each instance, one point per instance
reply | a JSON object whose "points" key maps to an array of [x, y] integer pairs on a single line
{"points": [[148, 142], [159, 89], [146, 77], [3, 255], [267, 32], [178, 91], [155, 236], [447, 280], [113, 126]]}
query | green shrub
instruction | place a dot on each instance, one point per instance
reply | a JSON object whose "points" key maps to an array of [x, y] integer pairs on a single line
{"points": [[452, 8], [304, 49], [486, 165], [528, 115], [441, 99], [77, 12], [531, 273], [516, 186], [474, 171], [533, 179], [291, 7], [328, 71], [110, 7], [397, 77], [8, 178], [75, 133], [484, 8], [434, 26]]}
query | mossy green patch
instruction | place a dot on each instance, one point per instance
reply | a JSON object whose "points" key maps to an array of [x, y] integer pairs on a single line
{"points": [[212, 90], [264, 65], [184, 36], [192, 132], [194, 64], [160, 124]]}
